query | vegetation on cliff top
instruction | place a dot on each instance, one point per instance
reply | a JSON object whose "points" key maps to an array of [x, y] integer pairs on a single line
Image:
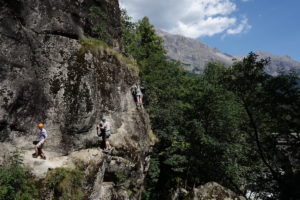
{"points": [[98, 47]]}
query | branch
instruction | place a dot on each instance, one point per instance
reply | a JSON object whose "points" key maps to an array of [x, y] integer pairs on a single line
{"points": [[258, 144]]}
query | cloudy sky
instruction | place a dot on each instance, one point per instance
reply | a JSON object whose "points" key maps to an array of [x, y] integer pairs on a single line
{"points": [[233, 26]]}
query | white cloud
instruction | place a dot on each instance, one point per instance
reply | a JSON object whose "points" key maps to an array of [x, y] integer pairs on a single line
{"points": [[192, 18], [242, 27]]}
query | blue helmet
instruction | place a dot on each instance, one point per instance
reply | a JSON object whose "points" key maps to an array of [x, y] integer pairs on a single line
{"points": [[103, 118]]}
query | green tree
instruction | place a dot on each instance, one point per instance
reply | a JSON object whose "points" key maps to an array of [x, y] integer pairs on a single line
{"points": [[150, 44], [130, 38], [99, 20], [272, 107], [140, 39], [224, 125]]}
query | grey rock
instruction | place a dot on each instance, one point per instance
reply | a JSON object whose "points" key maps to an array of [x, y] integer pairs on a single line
{"points": [[208, 191], [279, 64], [48, 75], [195, 55], [214, 191]]}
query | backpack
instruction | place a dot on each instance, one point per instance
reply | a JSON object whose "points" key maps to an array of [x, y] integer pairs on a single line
{"points": [[107, 133], [143, 88], [133, 91]]}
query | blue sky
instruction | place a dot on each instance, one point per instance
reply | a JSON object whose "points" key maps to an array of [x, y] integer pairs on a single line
{"points": [[235, 27], [275, 28]]}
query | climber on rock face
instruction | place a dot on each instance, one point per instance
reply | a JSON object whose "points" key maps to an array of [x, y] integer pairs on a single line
{"points": [[136, 90], [40, 143], [105, 131]]}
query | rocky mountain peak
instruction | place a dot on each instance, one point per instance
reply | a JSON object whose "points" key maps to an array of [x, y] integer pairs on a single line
{"points": [[279, 63], [194, 55]]}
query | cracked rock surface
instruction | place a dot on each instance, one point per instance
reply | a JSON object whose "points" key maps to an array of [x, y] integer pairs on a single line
{"points": [[48, 75]]}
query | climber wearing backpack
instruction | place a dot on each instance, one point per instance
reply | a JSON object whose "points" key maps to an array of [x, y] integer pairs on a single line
{"points": [[136, 90], [105, 131], [43, 134]]}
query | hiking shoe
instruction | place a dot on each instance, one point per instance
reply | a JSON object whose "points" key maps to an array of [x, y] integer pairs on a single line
{"points": [[106, 150], [43, 157], [34, 155], [111, 149]]}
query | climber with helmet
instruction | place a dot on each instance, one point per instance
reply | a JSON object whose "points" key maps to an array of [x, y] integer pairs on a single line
{"points": [[105, 131], [43, 134]]}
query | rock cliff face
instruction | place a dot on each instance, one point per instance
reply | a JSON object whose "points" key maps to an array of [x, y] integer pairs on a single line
{"points": [[51, 73]]}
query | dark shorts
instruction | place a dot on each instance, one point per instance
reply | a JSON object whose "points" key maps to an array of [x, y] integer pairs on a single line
{"points": [[104, 136], [39, 144]]}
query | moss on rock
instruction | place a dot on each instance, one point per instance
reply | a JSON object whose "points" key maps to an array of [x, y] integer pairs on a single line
{"points": [[66, 183], [97, 47]]}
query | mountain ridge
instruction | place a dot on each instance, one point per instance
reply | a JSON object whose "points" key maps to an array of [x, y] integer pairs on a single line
{"points": [[194, 55]]}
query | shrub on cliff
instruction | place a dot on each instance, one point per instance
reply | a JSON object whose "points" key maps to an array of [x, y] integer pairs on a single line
{"points": [[16, 182], [66, 183]]}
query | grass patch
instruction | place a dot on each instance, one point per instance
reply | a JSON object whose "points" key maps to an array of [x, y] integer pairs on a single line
{"points": [[66, 183], [98, 47], [92, 44], [121, 177]]}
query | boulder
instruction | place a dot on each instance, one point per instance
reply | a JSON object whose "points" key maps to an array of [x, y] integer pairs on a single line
{"points": [[214, 191]]}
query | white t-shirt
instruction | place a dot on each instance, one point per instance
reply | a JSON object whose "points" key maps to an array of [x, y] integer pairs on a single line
{"points": [[106, 126], [43, 134]]}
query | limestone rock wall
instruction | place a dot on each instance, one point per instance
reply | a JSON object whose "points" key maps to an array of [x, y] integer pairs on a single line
{"points": [[50, 73]]}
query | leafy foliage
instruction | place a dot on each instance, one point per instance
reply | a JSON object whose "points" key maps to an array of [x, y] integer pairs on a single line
{"points": [[121, 177], [224, 125], [99, 19], [66, 183], [16, 183], [272, 107]]}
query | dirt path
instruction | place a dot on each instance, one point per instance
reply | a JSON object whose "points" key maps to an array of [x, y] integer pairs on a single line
{"points": [[40, 167]]}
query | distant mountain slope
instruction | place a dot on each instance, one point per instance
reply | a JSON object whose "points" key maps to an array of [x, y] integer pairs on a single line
{"points": [[280, 63], [194, 55]]}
